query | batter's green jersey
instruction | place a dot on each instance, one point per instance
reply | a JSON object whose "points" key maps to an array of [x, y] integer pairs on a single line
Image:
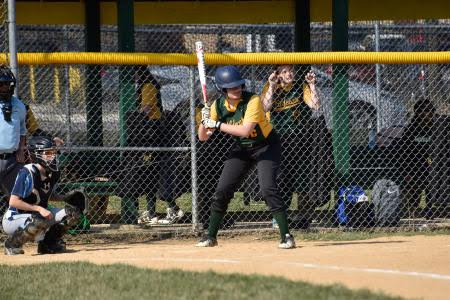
{"points": [[249, 109]]}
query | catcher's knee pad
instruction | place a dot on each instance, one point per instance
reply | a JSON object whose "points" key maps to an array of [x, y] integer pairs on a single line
{"points": [[73, 215], [37, 226], [17, 239], [34, 229]]}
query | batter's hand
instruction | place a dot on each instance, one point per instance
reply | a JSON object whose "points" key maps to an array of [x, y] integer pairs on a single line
{"points": [[211, 124], [206, 112]]}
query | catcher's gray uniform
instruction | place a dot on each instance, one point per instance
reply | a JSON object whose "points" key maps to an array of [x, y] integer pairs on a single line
{"points": [[33, 188], [13, 220]]}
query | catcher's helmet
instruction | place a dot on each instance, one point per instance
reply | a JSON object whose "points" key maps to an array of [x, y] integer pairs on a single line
{"points": [[7, 82], [43, 151], [228, 77]]}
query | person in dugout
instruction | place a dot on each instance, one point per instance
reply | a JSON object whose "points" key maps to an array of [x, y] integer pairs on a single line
{"points": [[144, 172], [415, 161], [289, 103]]}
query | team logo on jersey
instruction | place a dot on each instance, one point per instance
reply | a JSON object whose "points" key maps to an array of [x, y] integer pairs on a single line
{"points": [[46, 187], [282, 105]]}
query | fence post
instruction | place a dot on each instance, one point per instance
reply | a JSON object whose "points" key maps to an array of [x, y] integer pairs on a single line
{"points": [[193, 135], [12, 42], [125, 21], [341, 128]]}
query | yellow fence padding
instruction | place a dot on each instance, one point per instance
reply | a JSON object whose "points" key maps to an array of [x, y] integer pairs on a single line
{"points": [[61, 58]]}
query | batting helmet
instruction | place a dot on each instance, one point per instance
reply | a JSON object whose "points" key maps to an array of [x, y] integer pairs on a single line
{"points": [[6, 78], [43, 151], [228, 77]]}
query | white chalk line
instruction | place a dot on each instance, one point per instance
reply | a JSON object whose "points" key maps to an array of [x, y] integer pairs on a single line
{"points": [[314, 266], [317, 266], [372, 270]]}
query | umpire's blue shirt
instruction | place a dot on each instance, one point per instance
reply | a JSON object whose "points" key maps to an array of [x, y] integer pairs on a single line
{"points": [[10, 132]]}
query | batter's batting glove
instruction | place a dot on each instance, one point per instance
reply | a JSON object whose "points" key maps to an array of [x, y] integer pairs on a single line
{"points": [[78, 199], [211, 124], [206, 112]]}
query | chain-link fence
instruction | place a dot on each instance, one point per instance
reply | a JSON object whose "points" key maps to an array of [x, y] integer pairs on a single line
{"points": [[380, 158]]}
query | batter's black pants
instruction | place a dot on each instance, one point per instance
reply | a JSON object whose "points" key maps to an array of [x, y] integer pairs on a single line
{"points": [[267, 159]]}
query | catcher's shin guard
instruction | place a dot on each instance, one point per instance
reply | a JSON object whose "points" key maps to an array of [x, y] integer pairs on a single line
{"points": [[32, 231], [14, 243], [52, 242]]}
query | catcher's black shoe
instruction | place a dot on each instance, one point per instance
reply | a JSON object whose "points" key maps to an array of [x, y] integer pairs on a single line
{"points": [[52, 248]]}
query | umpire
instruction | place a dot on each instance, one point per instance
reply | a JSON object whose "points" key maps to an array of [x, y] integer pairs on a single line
{"points": [[13, 130], [240, 114]]}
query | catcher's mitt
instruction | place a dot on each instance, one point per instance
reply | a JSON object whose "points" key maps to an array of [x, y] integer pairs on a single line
{"points": [[78, 199]]}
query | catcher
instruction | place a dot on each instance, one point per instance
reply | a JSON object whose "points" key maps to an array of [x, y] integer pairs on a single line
{"points": [[28, 217]]}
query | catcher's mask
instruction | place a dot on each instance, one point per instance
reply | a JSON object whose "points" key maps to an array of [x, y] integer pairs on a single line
{"points": [[7, 83], [43, 151]]}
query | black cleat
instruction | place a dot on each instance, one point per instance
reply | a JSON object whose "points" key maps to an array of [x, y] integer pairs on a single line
{"points": [[56, 247]]}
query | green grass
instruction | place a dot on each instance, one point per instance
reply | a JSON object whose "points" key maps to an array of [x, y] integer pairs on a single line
{"points": [[89, 281], [185, 203]]}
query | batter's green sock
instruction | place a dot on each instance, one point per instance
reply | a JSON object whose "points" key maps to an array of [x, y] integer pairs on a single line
{"points": [[281, 218], [214, 223]]}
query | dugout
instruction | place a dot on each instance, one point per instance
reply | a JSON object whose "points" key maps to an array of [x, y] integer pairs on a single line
{"points": [[126, 15]]}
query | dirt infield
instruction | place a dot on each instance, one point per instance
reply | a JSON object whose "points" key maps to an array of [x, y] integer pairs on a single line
{"points": [[408, 266]]}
